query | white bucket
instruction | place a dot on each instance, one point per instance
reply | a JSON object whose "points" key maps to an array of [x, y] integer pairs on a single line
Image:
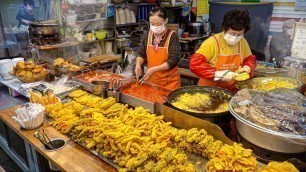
{"points": [[16, 60], [6, 66]]}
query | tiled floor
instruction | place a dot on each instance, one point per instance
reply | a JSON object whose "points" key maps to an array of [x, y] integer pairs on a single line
{"points": [[7, 101]]}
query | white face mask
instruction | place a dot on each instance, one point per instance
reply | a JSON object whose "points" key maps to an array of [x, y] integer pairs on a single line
{"points": [[157, 29], [290, 32], [232, 40]]}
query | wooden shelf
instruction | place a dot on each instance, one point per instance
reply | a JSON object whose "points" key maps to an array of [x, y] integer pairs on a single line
{"points": [[131, 3], [49, 47], [127, 24], [67, 44], [79, 4], [91, 20]]}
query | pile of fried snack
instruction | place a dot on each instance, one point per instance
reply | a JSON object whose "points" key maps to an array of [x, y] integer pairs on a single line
{"points": [[139, 141], [60, 62], [47, 99], [29, 72]]}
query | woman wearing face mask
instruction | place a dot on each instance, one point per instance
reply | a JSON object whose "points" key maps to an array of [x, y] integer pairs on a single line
{"points": [[221, 55], [160, 50]]}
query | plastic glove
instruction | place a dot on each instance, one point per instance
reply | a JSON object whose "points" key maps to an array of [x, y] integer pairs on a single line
{"points": [[225, 75], [244, 69], [229, 76]]}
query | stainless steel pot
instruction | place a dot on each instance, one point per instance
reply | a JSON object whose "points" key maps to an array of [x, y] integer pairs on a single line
{"points": [[44, 32], [123, 42], [268, 139], [99, 88], [195, 29]]}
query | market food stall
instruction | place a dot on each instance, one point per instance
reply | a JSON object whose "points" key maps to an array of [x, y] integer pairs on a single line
{"points": [[89, 109]]}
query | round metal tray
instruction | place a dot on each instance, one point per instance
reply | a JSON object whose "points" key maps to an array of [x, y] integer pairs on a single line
{"points": [[261, 80], [267, 138]]}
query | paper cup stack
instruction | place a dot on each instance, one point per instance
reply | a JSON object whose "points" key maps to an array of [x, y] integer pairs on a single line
{"points": [[30, 116]]}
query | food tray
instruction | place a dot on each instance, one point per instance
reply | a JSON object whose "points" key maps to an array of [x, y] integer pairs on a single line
{"points": [[27, 87], [192, 158], [262, 80], [102, 58], [30, 79], [146, 91], [85, 79]]}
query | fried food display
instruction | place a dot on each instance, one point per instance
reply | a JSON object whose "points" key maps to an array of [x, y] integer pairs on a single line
{"points": [[137, 140], [269, 83], [201, 103], [60, 62], [233, 158], [47, 99], [242, 77], [29, 72], [279, 167]]}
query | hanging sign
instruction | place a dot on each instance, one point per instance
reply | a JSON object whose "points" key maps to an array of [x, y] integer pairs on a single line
{"points": [[202, 7]]}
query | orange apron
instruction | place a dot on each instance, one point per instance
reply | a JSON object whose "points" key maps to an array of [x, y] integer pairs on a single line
{"points": [[167, 78], [224, 62]]}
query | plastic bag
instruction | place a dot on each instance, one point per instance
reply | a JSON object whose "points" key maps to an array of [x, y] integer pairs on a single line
{"points": [[281, 110], [129, 62]]}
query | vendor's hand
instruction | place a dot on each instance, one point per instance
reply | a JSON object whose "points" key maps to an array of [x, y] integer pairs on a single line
{"points": [[148, 74], [224, 75], [138, 71], [229, 76], [244, 69]]}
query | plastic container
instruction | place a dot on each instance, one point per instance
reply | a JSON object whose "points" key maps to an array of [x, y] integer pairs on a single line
{"points": [[6, 66], [100, 34]]}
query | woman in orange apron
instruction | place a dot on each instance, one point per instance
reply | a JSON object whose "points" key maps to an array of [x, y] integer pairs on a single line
{"points": [[221, 55], [160, 50]]}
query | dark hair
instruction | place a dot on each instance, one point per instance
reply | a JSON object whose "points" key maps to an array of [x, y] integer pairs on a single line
{"points": [[158, 11], [236, 20], [28, 2]]}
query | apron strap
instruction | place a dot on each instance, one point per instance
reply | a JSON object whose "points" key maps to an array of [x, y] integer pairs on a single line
{"points": [[218, 45], [239, 47], [168, 39], [150, 37]]}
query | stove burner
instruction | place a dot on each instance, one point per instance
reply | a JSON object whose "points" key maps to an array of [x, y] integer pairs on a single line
{"points": [[266, 156]]}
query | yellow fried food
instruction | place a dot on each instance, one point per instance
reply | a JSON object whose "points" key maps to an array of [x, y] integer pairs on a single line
{"points": [[58, 62], [37, 97], [233, 158], [279, 167], [242, 77], [200, 102], [20, 65], [29, 74], [271, 85], [77, 93]]}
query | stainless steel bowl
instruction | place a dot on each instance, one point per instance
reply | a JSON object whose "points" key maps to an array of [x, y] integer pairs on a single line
{"points": [[268, 139]]}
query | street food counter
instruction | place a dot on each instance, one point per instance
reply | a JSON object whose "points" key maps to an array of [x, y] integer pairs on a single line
{"points": [[120, 124]]}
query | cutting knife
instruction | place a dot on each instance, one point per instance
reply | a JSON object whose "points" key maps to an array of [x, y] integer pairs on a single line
{"points": [[184, 121]]}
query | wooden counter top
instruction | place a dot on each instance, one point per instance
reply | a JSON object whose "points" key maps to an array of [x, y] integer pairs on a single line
{"points": [[72, 157]]}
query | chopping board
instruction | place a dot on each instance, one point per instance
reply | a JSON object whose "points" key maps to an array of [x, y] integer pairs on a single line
{"points": [[102, 59]]}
